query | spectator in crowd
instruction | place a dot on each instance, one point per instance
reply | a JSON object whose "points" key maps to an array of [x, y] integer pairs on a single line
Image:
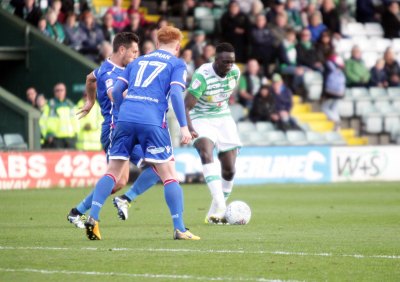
{"points": [[31, 95], [88, 137], [392, 67], [391, 20], [330, 16], [365, 11], [324, 46], [307, 55], [246, 6], [40, 102], [54, 28], [207, 56], [61, 123], [334, 88], [263, 105], [135, 27], [106, 50], [148, 46], [357, 74], [250, 83], [379, 76], [257, 8], [119, 14], [307, 12], [262, 46], [42, 26], [73, 34], [294, 16], [134, 8], [56, 6], [93, 36], [42, 106], [27, 10], [197, 43], [278, 28], [186, 56], [108, 27], [234, 26], [277, 8], [316, 26], [283, 104]]}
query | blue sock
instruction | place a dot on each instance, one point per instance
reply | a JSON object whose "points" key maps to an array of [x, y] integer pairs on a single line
{"points": [[102, 190], [146, 179], [86, 204], [173, 196]]}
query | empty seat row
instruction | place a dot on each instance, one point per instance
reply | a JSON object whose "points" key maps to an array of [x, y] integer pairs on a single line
{"points": [[370, 29], [291, 138], [350, 108], [12, 141]]}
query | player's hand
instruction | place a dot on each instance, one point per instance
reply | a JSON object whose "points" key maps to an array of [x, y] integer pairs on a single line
{"points": [[82, 112], [186, 136], [193, 133]]}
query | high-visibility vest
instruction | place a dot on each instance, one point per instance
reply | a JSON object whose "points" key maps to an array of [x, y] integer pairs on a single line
{"points": [[89, 140], [60, 118]]}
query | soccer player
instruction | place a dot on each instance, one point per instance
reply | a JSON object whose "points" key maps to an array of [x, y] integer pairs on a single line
{"points": [[151, 80], [102, 79], [212, 126]]}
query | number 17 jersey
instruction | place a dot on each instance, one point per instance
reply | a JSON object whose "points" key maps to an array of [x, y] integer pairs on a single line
{"points": [[149, 80]]}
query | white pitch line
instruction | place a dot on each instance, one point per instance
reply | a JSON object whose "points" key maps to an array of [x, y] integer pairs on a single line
{"points": [[141, 275], [163, 250]]}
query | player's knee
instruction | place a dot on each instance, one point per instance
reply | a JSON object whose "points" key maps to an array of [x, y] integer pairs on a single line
{"points": [[228, 173], [206, 157]]}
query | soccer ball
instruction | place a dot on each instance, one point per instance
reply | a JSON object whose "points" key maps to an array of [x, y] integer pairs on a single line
{"points": [[238, 212]]}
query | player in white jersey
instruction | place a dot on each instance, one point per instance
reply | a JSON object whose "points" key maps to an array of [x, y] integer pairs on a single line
{"points": [[212, 126]]}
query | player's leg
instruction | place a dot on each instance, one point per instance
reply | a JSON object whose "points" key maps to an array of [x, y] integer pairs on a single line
{"points": [[157, 147], [147, 178], [227, 160], [211, 172]]}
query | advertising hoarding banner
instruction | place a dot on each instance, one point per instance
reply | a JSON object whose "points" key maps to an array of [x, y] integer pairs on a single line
{"points": [[24, 170], [369, 163], [256, 165]]}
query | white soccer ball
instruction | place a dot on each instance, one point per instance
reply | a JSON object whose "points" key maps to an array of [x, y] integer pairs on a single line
{"points": [[238, 212]]}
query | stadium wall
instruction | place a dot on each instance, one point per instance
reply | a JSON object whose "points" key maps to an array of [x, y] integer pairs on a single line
{"points": [[255, 165]]}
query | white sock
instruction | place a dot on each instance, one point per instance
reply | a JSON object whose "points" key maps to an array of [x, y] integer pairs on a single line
{"points": [[213, 179], [226, 188]]}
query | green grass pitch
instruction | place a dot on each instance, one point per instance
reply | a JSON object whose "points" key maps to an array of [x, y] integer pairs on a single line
{"points": [[298, 232]]}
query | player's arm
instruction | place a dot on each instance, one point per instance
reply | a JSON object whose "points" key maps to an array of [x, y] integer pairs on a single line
{"points": [[190, 102], [179, 109], [117, 92], [90, 89]]}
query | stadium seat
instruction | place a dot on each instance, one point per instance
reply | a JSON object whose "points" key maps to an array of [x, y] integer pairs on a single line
{"points": [[396, 45], [334, 138], [373, 29], [380, 44], [344, 45], [373, 123], [296, 138], [313, 83], [384, 107], [237, 112], [256, 139], [346, 108], [276, 137], [391, 122], [15, 141], [358, 92], [396, 105], [204, 19], [246, 126], [353, 29], [370, 57], [378, 93], [315, 138], [363, 106], [263, 126], [394, 93]]}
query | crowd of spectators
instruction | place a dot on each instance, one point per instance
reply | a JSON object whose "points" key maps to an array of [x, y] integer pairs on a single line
{"points": [[288, 38]]}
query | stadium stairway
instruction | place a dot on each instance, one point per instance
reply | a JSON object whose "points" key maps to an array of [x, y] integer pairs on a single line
{"points": [[317, 121]]}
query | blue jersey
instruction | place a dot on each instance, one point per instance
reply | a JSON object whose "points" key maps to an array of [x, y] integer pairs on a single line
{"points": [[106, 76], [149, 79]]}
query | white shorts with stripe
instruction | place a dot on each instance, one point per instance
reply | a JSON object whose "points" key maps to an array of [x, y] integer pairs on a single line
{"points": [[222, 131]]}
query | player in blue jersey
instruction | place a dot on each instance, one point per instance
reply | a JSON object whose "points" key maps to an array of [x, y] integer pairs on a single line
{"points": [[151, 81], [102, 79]]}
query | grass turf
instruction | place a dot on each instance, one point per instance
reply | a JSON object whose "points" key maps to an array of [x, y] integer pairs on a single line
{"points": [[335, 232]]}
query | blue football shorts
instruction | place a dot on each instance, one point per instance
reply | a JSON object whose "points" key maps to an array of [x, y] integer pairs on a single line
{"points": [[155, 142]]}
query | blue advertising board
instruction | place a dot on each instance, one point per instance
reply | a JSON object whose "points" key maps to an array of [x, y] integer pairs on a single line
{"points": [[257, 165]]}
